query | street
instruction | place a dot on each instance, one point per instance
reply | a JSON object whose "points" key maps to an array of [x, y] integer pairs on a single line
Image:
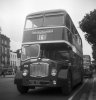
{"points": [[86, 91]]}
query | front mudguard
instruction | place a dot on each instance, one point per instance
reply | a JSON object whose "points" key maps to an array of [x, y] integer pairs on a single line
{"points": [[18, 79], [63, 74], [62, 77]]}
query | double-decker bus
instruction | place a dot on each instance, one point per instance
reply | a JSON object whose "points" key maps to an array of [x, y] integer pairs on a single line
{"points": [[51, 53], [86, 61], [87, 66]]}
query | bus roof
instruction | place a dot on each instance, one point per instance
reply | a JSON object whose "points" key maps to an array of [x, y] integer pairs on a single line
{"points": [[86, 56], [57, 11]]}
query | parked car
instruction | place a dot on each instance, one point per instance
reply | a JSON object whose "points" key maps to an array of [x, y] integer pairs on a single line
{"points": [[8, 73]]}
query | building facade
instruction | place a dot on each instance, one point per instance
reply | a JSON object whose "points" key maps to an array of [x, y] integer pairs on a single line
{"points": [[4, 53], [13, 60], [18, 58]]}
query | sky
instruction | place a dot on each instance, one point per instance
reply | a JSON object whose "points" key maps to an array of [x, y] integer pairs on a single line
{"points": [[14, 12]]}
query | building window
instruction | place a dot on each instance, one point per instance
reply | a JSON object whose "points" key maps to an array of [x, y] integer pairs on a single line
{"points": [[5, 42], [2, 49], [14, 63], [2, 41], [5, 59], [5, 50], [11, 63], [2, 58]]}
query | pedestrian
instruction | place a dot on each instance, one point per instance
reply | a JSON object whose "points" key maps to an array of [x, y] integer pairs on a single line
{"points": [[3, 74]]}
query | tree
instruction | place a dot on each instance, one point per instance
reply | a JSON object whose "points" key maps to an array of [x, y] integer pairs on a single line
{"points": [[94, 51], [88, 25]]}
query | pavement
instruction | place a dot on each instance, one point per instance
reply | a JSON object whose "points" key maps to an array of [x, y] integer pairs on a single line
{"points": [[10, 76], [7, 76]]}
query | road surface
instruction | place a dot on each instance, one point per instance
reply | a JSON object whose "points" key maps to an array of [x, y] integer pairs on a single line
{"points": [[86, 91]]}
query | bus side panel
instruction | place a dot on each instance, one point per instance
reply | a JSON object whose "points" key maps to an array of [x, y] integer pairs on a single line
{"points": [[18, 78], [77, 68]]}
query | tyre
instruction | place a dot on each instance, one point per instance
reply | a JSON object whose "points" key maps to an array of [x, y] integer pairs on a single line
{"points": [[22, 89], [67, 87]]}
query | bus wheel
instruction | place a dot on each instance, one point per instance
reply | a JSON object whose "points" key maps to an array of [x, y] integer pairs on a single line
{"points": [[22, 89], [67, 87]]}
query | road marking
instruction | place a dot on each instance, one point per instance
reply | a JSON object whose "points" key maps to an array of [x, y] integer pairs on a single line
{"points": [[77, 91]]}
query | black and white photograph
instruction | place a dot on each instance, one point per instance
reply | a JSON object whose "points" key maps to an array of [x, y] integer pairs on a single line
{"points": [[47, 49]]}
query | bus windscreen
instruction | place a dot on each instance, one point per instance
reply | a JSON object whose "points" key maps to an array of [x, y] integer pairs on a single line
{"points": [[30, 51]]}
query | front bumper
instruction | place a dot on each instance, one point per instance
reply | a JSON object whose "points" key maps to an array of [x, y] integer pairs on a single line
{"points": [[37, 83], [49, 81]]}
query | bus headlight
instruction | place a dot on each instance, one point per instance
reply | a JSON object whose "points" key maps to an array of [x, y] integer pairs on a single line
{"points": [[54, 72], [25, 72], [54, 82]]}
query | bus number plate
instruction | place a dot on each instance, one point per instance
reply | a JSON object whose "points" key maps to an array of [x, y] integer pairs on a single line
{"points": [[41, 37]]}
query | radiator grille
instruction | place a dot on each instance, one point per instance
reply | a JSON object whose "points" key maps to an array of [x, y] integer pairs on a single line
{"points": [[39, 69]]}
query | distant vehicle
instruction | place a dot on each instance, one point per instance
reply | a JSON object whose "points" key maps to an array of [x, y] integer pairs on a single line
{"points": [[87, 66], [51, 54], [9, 73]]}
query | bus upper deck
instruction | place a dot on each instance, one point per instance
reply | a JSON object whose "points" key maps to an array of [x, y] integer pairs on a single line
{"points": [[53, 26]]}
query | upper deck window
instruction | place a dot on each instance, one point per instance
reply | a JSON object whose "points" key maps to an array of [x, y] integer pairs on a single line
{"points": [[44, 21], [34, 22], [54, 20]]}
